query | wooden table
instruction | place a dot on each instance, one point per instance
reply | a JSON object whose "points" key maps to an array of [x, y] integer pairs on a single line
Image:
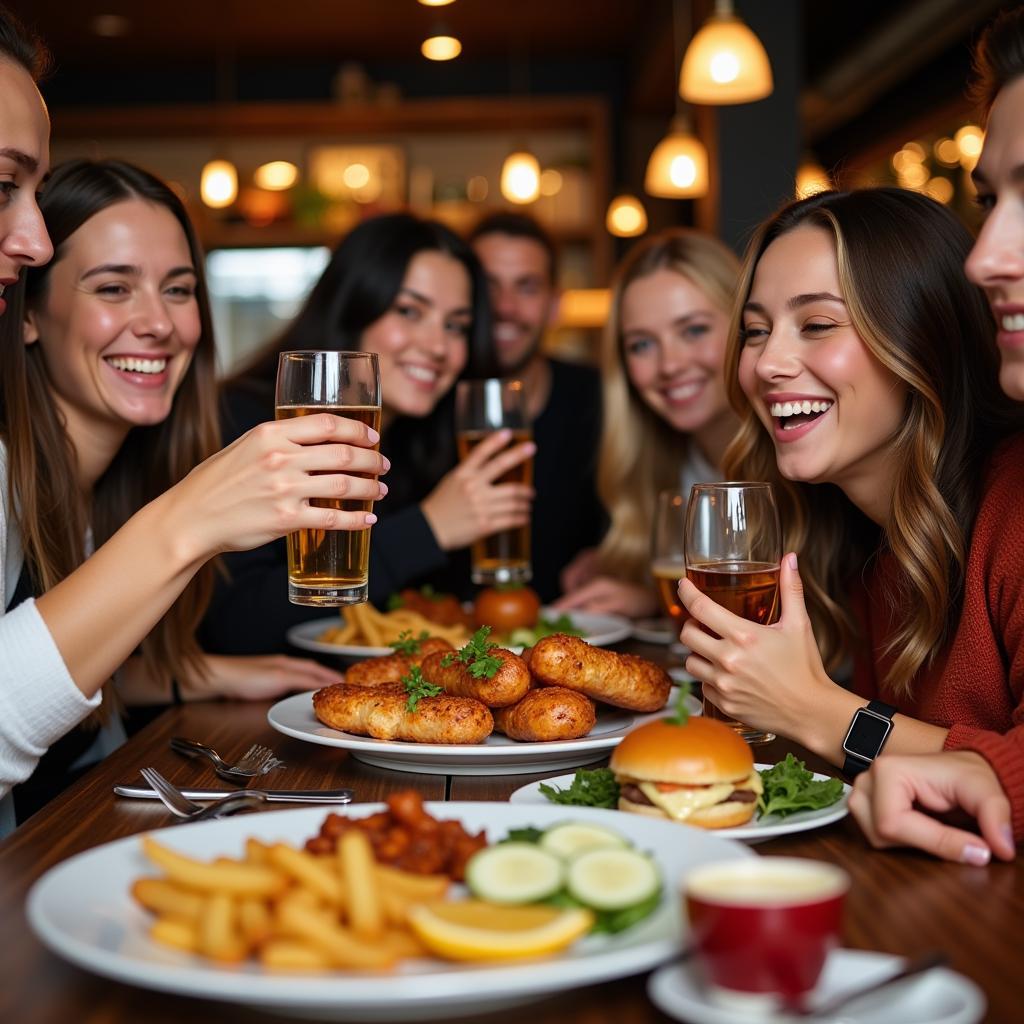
{"points": [[901, 902]]}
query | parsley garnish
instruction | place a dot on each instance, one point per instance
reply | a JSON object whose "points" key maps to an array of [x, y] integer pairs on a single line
{"points": [[476, 655], [682, 715], [407, 643], [417, 687], [395, 601], [589, 788]]}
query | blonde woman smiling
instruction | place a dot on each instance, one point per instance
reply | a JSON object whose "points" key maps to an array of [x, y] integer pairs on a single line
{"points": [[667, 419]]}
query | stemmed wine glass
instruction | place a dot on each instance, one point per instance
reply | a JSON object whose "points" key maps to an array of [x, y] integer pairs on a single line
{"points": [[733, 547]]}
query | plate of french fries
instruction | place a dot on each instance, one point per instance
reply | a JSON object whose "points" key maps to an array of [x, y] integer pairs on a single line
{"points": [[361, 631], [244, 914]]}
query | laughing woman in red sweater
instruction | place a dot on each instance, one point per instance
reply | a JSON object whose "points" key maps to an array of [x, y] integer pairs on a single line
{"points": [[902, 497]]}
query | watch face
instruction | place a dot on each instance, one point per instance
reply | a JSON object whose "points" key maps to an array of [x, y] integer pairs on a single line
{"points": [[867, 734]]}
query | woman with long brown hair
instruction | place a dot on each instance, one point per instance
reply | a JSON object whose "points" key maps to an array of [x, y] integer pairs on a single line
{"points": [[667, 419], [58, 651], [864, 367]]}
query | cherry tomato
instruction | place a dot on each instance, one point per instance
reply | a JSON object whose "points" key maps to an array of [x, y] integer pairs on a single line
{"points": [[506, 608]]}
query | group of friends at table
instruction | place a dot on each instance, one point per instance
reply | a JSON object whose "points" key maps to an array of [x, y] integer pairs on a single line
{"points": [[144, 503]]}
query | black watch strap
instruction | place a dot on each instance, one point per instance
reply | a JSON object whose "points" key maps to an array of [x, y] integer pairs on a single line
{"points": [[858, 758]]}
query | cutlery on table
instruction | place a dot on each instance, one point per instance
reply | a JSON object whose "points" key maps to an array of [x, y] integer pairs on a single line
{"points": [[257, 760], [297, 796], [826, 1010], [179, 805]]}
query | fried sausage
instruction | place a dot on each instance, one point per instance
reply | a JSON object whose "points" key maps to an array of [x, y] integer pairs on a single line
{"points": [[382, 712], [508, 684], [391, 667], [549, 713], [623, 680]]}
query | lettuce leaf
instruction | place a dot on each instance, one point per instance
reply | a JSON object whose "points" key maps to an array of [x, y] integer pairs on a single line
{"points": [[789, 787], [595, 788]]}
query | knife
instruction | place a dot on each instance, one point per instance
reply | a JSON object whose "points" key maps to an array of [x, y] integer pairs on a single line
{"points": [[295, 796]]}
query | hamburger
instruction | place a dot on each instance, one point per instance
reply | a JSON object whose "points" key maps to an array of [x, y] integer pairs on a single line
{"points": [[700, 773]]}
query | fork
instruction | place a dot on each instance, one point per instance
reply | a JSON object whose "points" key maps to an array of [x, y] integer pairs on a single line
{"points": [[257, 760], [180, 806]]}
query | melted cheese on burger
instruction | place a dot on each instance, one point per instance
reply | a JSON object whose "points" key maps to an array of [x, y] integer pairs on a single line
{"points": [[680, 804]]}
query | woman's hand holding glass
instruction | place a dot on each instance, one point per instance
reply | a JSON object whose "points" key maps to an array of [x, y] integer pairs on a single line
{"points": [[767, 676], [467, 504], [258, 488]]}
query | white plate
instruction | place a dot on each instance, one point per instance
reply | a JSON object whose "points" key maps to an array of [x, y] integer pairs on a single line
{"points": [[939, 997], [756, 832], [655, 631], [598, 630], [81, 909], [497, 755]]}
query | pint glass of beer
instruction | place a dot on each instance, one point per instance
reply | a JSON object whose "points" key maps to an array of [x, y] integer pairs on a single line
{"points": [[668, 565], [329, 567], [733, 549], [481, 408]]}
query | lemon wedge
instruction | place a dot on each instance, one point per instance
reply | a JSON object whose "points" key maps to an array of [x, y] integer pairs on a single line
{"points": [[474, 930]]}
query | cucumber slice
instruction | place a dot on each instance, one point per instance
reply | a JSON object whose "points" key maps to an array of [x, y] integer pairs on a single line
{"points": [[512, 873], [573, 838], [612, 879]]}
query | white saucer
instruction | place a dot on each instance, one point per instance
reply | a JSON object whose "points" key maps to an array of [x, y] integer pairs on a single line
{"points": [[939, 997]]}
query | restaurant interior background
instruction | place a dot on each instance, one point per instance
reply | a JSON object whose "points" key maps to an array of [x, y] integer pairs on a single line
{"points": [[282, 125]]}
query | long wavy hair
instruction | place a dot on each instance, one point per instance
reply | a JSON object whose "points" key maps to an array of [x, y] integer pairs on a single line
{"points": [[50, 513], [900, 262], [360, 285], [998, 57], [641, 454]]}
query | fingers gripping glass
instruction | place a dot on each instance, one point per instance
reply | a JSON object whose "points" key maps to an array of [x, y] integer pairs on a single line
{"points": [[733, 547], [483, 407], [329, 567]]}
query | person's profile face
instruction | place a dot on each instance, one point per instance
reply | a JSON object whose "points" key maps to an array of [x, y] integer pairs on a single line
{"points": [[996, 263], [24, 163], [522, 294]]}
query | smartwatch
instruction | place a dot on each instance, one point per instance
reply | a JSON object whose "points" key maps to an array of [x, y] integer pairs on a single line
{"points": [[866, 736]]}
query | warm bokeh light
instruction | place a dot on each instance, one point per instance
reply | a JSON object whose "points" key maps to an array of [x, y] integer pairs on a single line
{"points": [[725, 62], [811, 178], [550, 182], [947, 152], [678, 167], [276, 175], [913, 176], [356, 176], [626, 217], [583, 307], [520, 177], [477, 188], [969, 140], [441, 48], [218, 184], [436, 3], [939, 188]]}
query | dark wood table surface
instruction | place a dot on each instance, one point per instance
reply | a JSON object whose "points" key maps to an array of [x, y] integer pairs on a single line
{"points": [[901, 902]]}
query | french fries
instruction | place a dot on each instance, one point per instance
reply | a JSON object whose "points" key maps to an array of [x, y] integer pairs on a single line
{"points": [[366, 627], [291, 909]]}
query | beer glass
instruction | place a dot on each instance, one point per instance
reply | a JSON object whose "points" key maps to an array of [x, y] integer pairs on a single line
{"points": [[481, 408], [733, 547], [329, 567], [668, 566]]}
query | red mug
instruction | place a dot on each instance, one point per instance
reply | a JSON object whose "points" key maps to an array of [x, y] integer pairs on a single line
{"points": [[762, 928]]}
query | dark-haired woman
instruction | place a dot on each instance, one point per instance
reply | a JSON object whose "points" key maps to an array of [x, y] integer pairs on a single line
{"points": [[56, 652], [864, 367], [413, 292]]}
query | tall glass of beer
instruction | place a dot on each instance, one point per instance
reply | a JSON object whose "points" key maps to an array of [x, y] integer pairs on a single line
{"points": [[329, 567], [481, 408], [733, 545], [668, 565]]}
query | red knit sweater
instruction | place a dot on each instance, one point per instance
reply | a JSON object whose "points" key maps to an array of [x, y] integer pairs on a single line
{"points": [[976, 688]]}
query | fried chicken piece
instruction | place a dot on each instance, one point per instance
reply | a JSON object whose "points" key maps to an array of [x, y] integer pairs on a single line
{"points": [[508, 684], [391, 667], [545, 714]]}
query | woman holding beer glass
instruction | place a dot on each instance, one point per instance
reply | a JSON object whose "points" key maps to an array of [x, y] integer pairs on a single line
{"points": [[412, 292], [865, 371], [667, 419]]}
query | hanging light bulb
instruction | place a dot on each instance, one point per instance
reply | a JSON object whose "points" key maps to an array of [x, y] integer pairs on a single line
{"points": [[626, 217], [441, 46], [678, 167], [276, 176], [218, 184], [725, 62], [520, 177]]}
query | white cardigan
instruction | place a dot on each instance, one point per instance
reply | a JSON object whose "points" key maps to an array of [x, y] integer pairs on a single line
{"points": [[39, 701]]}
